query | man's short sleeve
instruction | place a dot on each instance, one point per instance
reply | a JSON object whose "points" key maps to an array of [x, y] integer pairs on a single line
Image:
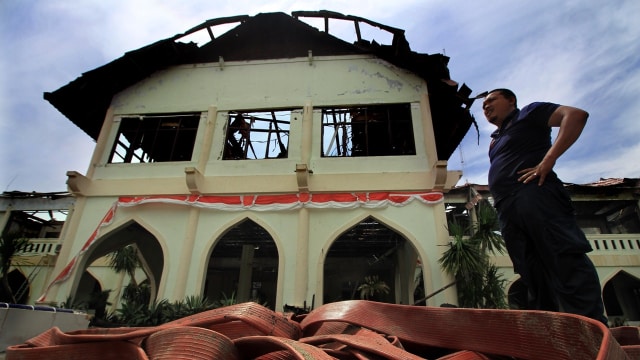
{"points": [[541, 111]]}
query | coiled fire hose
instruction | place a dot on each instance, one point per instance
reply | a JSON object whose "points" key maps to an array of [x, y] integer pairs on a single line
{"points": [[355, 329]]}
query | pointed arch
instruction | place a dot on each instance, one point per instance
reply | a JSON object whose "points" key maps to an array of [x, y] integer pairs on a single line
{"points": [[621, 296], [88, 288], [244, 263], [19, 285], [129, 232], [369, 245]]}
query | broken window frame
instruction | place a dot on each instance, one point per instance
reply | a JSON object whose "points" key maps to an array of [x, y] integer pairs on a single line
{"points": [[267, 129], [608, 217], [353, 131], [140, 138]]}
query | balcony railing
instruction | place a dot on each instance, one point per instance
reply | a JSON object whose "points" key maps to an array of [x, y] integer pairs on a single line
{"points": [[623, 244], [43, 246], [603, 244]]}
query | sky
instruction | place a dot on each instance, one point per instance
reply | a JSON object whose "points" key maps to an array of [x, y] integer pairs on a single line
{"points": [[579, 53]]}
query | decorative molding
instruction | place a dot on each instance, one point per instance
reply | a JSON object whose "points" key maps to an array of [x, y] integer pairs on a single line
{"points": [[302, 176], [440, 175], [77, 183], [194, 179]]}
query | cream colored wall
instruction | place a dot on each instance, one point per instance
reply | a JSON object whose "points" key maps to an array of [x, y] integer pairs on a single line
{"points": [[270, 84], [415, 221], [293, 83]]}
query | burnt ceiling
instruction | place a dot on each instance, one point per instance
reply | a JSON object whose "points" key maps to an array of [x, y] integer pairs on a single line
{"points": [[85, 100], [369, 238]]}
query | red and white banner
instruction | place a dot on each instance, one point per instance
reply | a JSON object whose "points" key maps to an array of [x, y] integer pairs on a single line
{"points": [[280, 202], [277, 202]]}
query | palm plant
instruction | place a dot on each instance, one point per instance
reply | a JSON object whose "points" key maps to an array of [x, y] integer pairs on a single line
{"points": [[485, 229], [125, 260], [226, 300], [197, 303], [10, 244], [372, 286], [463, 258], [467, 259]]}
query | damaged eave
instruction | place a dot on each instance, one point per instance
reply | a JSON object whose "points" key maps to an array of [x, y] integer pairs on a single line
{"points": [[85, 100]]}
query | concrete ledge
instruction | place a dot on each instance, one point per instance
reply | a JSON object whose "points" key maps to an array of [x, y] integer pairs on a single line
{"points": [[19, 323]]}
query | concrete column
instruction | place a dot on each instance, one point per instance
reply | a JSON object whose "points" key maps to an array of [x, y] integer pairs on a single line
{"points": [[102, 146], [118, 294], [207, 142], [406, 260], [246, 271], [307, 133], [427, 127], [184, 262], [59, 292], [301, 278]]}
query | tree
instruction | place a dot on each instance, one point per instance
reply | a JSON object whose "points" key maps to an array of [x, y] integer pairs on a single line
{"points": [[467, 259], [10, 245], [125, 260]]}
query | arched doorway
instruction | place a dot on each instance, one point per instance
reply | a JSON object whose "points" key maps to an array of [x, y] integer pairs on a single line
{"points": [[243, 266], [149, 254], [90, 296], [20, 288], [373, 260], [621, 296]]}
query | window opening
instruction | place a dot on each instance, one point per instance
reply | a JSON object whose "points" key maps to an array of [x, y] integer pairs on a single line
{"points": [[608, 217], [155, 138], [458, 213], [373, 130], [35, 224], [257, 134]]}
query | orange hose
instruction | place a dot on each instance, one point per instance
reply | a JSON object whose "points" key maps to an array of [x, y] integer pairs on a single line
{"points": [[345, 330]]}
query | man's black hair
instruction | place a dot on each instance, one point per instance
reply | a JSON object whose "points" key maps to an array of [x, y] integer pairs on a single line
{"points": [[507, 94]]}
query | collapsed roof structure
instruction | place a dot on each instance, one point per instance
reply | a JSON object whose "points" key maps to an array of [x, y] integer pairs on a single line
{"points": [[85, 100]]}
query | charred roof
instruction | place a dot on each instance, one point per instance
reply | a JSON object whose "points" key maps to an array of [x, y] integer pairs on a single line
{"points": [[85, 100]]}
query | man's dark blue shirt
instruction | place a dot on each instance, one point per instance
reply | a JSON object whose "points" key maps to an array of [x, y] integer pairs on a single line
{"points": [[521, 142]]}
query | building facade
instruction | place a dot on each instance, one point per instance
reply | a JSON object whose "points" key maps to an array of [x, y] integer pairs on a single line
{"points": [[274, 162]]}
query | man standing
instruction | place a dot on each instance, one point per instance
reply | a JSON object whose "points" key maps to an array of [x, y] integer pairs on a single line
{"points": [[537, 219]]}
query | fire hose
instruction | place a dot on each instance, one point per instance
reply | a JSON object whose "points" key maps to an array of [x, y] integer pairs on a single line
{"points": [[353, 329]]}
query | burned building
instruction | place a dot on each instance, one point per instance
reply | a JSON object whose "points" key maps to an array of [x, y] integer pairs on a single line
{"points": [[274, 161]]}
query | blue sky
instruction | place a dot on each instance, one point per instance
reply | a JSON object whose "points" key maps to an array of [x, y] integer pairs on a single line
{"points": [[579, 53]]}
